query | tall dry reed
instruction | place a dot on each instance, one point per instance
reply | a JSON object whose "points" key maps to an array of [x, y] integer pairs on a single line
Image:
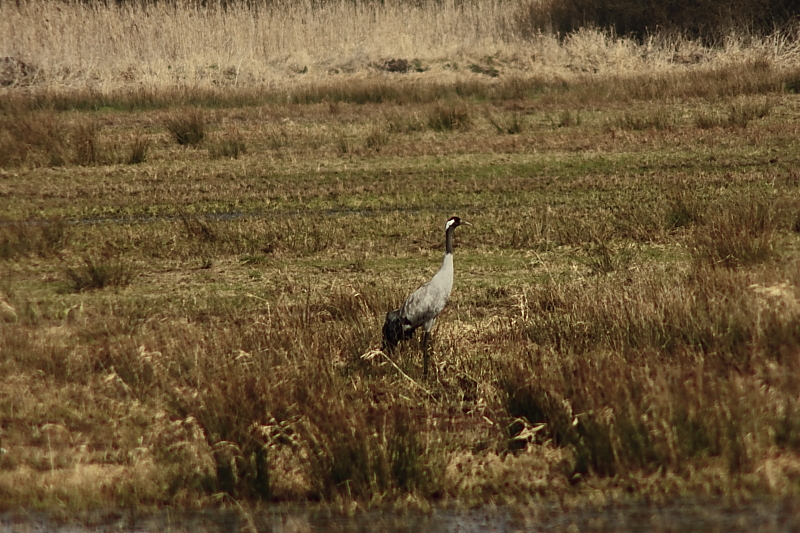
{"points": [[107, 46]]}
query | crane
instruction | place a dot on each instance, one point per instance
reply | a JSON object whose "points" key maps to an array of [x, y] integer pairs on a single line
{"points": [[425, 303]]}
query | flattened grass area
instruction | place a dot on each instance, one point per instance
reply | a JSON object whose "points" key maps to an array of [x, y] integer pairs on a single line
{"points": [[199, 325]]}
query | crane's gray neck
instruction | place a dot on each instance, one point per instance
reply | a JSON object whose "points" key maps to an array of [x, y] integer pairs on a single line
{"points": [[448, 241]]}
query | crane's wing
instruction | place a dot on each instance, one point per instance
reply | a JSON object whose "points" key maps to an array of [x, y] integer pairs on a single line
{"points": [[424, 305]]}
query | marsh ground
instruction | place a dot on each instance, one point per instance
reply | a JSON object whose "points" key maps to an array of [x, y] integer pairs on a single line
{"points": [[196, 324]]}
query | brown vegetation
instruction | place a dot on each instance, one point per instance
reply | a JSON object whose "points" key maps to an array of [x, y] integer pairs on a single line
{"points": [[194, 326]]}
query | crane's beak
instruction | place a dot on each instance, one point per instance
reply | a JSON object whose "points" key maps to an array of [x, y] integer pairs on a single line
{"points": [[465, 222]]}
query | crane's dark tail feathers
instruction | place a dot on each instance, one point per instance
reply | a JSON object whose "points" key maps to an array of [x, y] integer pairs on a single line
{"points": [[393, 331]]}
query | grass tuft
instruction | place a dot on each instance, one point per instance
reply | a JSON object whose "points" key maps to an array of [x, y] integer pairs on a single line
{"points": [[45, 239], [683, 210], [231, 146], [377, 138], [511, 125], [85, 144], [449, 117], [99, 273], [41, 137], [187, 127], [137, 151], [403, 123], [659, 119], [741, 113], [363, 454], [602, 258], [234, 408], [741, 233], [568, 118], [706, 120]]}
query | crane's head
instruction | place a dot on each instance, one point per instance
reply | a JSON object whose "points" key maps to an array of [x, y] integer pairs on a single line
{"points": [[454, 222]]}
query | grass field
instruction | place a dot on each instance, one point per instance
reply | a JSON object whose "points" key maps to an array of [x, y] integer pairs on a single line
{"points": [[193, 280]]}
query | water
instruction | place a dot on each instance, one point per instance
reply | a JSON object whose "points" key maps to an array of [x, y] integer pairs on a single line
{"points": [[774, 515], [284, 214]]}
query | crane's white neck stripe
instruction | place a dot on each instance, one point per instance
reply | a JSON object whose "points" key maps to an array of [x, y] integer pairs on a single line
{"points": [[448, 224]]}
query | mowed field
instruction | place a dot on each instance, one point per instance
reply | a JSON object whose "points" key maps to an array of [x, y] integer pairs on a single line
{"points": [[193, 282]]}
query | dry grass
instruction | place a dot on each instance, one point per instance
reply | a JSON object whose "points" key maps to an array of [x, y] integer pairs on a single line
{"points": [[100, 273], [510, 125], [602, 330], [443, 117], [43, 238], [187, 127], [102, 48], [625, 319], [138, 150], [657, 119], [231, 146]]}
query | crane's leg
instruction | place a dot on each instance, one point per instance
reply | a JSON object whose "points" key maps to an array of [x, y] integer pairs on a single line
{"points": [[425, 354]]}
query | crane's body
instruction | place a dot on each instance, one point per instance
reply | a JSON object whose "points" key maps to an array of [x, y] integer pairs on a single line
{"points": [[422, 307], [425, 303]]}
